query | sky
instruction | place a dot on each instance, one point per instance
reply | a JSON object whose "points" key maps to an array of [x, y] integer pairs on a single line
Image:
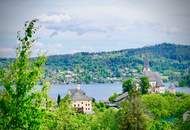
{"points": [[70, 26]]}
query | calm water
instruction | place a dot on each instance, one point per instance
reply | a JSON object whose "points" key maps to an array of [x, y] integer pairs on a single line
{"points": [[97, 91]]}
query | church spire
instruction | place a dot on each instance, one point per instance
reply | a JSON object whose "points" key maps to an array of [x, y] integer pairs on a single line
{"points": [[146, 65]]}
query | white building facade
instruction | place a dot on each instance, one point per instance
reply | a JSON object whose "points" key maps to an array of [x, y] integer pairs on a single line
{"points": [[80, 101]]}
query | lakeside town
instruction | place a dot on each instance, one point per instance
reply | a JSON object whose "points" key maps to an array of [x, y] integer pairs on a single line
{"points": [[142, 96], [83, 103], [94, 65]]}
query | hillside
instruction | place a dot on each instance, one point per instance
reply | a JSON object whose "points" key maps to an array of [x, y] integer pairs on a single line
{"points": [[171, 60]]}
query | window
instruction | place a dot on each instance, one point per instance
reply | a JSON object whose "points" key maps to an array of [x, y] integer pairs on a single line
{"points": [[86, 104], [81, 102], [78, 105], [88, 108], [74, 105]]}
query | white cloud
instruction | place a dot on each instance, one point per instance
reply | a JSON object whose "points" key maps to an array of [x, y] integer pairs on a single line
{"points": [[94, 25], [7, 52], [44, 32], [55, 18]]}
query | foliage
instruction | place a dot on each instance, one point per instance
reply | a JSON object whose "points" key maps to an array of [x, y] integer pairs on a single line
{"points": [[113, 96], [185, 80], [144, 84], [133, 114], [163, 106], [181, 125], [100, 106], [167, 110], [21, 106], [105, 120], [171, 60], [58, 99], [128, 85], [161, 125], [67, 118], [158, 105], [24, 106]]}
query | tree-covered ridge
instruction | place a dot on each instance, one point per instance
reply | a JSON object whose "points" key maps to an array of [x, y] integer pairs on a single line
{"points": [[171, 60]]}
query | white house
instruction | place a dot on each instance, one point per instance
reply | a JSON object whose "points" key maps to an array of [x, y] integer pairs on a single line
{"points": [[80, 100]]}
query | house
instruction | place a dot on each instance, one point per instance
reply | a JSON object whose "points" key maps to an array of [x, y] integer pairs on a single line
{"points": [[117, 101], [80, 101], [172, 89], [69, 76], [155, 80], [122, 97]]}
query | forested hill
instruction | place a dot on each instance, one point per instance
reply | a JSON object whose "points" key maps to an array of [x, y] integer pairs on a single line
{"points": [[171, 60]]}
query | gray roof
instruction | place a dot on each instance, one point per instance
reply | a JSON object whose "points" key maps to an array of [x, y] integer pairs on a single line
{"points": [[121, 97], [78, 95], [154, 77]]}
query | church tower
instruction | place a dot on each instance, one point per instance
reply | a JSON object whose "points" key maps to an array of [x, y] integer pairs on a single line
{"points": [[146, 65]]}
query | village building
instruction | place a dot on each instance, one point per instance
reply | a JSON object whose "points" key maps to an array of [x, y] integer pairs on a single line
{"points": [[121, 98], [69, 76], [80, 101], [155, 80], [172, 89], [118, 100]]}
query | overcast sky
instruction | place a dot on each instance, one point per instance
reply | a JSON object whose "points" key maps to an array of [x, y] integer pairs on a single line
{"points": [[69, 26]]}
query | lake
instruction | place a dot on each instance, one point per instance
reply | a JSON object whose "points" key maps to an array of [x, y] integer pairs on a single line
{"points": [[98, 91]]}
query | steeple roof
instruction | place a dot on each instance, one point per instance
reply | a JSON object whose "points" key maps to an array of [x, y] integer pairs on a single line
{"points": [[146, 65], [78, 95]]}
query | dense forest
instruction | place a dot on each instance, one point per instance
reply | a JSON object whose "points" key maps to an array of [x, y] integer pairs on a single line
{"points": [[171, 60]]}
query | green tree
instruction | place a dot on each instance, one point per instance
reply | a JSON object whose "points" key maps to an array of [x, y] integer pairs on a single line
{"points": [[167, 110], [113, 96], [133, 113], [160, 125], [105, 120], [66, 118], [100, 106], [185, 80], [58, 99], [127, 85], [144, 84], [157, 104], [21, 105]]}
